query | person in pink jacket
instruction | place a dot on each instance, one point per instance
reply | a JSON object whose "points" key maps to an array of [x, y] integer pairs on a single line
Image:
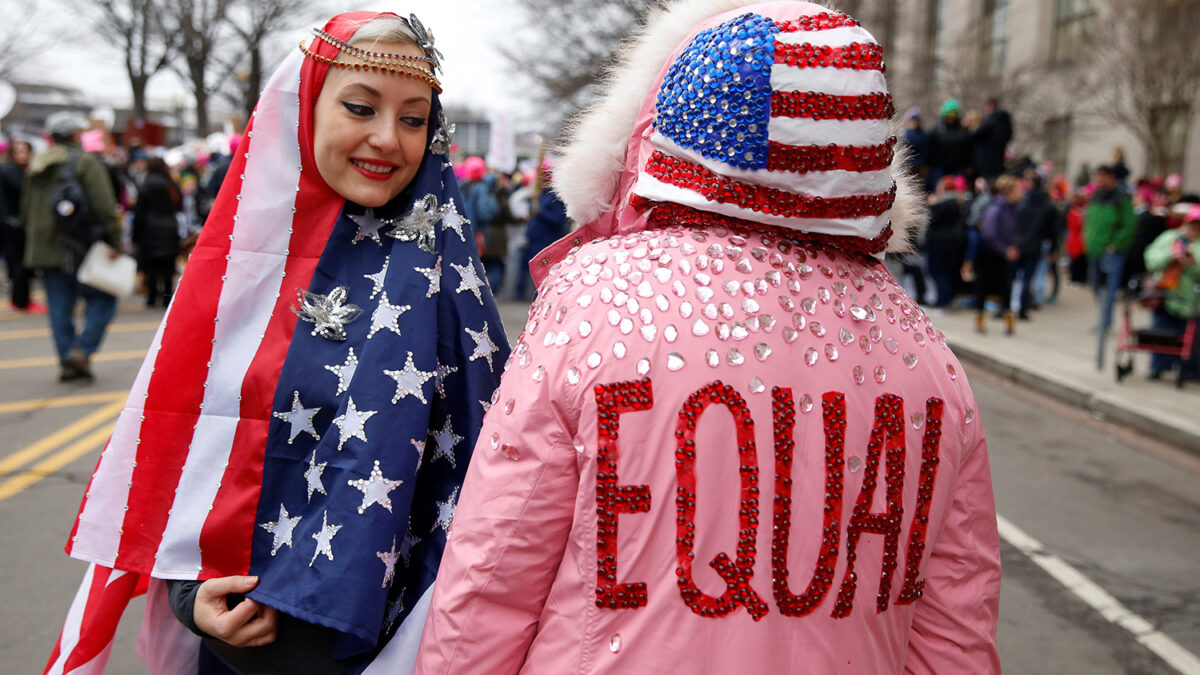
{"points": [[727, 441]]}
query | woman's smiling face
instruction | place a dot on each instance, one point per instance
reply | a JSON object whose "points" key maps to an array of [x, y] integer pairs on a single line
{"points": [[370, 130]]}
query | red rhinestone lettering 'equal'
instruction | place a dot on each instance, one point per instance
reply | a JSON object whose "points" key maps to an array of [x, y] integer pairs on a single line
{"points": [[887, 443], [930, 448], [888, 433], [613, 499], [784, 411], [737, 574], [684, 174], [821, 106]]}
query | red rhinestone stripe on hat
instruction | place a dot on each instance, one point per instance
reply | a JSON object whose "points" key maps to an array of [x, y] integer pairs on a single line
{"points": [[806, 158], [856, 56], [784, 411], [612, 499], [889, 432], [669, 214], [823, 21], [737, 574], [820, 106], [930, 447], [689, 176]]}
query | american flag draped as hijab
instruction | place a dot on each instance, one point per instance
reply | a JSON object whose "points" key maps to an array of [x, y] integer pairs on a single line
{"points": [[308, 406]]}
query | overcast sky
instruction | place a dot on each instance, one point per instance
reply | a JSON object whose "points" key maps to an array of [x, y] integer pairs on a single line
{"points": [[466, 32]]}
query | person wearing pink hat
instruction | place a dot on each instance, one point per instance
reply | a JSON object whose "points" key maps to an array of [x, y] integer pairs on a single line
{"points": [[1174, 256], [727, 440]]}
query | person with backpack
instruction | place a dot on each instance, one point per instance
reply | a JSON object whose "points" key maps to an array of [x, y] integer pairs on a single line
{"points": [[68, 205], [156, 230]]}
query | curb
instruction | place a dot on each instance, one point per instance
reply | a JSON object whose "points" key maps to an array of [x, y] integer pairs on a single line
{"points": [[1163, 429]]}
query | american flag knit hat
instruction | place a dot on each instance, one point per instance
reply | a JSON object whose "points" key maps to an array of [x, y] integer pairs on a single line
{"points": [[772, 113]]}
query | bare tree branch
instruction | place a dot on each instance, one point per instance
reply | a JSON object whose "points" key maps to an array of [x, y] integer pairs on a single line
{"points": [[200, 25], [575, 40], [136, 28], [1137, 66], [252, 23], [18, 38]]}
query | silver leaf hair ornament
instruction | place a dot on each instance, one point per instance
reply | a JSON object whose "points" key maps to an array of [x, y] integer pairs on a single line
{"points": [[425, 39], [329, 313]]}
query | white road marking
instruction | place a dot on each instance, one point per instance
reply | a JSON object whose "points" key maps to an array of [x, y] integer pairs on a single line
{"points": [[1098, 599]]}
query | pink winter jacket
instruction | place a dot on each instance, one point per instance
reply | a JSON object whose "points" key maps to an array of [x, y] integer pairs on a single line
{"points": [[785, 436], [720, 446]]}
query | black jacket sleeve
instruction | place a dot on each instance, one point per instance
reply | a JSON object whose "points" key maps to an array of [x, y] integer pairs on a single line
{"points": [[182, 597]]}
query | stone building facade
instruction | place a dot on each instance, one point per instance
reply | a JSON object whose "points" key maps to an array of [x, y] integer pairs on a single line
{"points": [[1037, 57]]}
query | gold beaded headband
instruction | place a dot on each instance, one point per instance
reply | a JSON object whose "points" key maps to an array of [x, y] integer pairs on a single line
{"points": [[416, 67]]}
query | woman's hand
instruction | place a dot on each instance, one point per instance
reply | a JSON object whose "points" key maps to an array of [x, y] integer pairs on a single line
{"points": [[968, 271], [249, 624]]}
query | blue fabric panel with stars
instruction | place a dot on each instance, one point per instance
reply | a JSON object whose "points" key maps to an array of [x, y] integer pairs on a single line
{"points": [[376, 414], [721, 109]]}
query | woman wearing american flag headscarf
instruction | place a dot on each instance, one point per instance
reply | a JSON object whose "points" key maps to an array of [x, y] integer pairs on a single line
{"points": [[285, 472]]}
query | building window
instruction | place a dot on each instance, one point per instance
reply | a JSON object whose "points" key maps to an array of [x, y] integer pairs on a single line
{"points": [[993, 37], [1057, 133], [1072, 19]]}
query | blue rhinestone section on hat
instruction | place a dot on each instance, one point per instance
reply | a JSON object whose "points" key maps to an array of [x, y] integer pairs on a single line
{"points": [[716, 97]]}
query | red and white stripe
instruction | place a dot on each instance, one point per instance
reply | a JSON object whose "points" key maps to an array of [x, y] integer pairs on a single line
{"points": [[169, 497], [830, 137], [196, 436], [86, 639], [258, 257]]}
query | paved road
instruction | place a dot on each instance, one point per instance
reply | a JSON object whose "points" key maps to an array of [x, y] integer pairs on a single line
{"points": [[1121, 511]]}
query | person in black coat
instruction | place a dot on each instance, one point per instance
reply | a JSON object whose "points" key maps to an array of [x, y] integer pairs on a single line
{"points": [[949, 145], [156, 231], [1037, 218], [945, 239], [1151, 222], [916, 140], [990, 139], [12, 234]]}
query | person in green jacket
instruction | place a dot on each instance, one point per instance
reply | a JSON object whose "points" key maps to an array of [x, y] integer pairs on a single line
{"points": [[1174, 256], [56, 264], [1108, 229]]}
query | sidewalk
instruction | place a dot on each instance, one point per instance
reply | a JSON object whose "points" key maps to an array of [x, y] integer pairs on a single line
{"points": [[1056, 353]]}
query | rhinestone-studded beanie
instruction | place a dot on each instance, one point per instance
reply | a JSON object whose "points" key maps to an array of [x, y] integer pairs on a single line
{"points": [[776, 113]]}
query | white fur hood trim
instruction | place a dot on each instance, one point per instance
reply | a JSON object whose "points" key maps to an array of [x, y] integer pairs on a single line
{"points": [[593, 156]]}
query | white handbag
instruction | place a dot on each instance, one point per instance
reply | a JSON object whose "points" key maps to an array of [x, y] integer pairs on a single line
{"points": [[115, 276]]}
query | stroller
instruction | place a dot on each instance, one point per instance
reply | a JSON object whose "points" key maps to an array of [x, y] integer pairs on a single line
{"points": [[1153, 340]]}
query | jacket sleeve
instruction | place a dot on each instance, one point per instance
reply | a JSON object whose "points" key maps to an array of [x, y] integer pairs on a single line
{"points": [[95, 180], [181, 595], [1158, 253], [954, 622], [511, 527]]}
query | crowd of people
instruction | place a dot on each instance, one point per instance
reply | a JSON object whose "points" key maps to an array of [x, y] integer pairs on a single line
{"points": [[160, 209], [132, 200], [514, 216], [1004, 231]]}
